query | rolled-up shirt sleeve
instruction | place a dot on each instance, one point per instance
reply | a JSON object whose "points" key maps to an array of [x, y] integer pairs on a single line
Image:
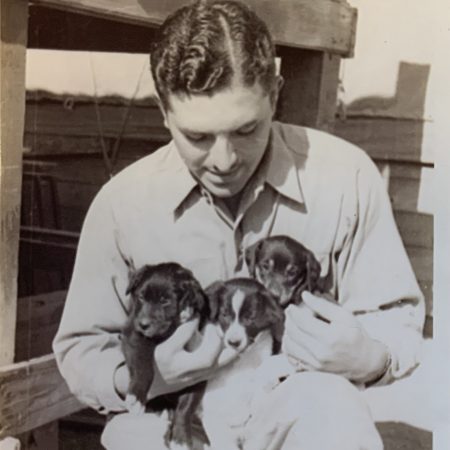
{"points": [[87, 344], [376, 280]]}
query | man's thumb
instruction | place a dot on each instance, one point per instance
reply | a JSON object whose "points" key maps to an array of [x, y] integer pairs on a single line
{"points": [[182, 335]]}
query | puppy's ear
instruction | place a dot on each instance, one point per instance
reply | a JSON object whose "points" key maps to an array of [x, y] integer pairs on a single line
{"points": [[136, 278], [193, 295], [313, 270], [251, 256], [214, 293]]}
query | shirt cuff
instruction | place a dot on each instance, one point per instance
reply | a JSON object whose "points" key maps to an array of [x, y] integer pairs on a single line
{"points": [[104, 386]]}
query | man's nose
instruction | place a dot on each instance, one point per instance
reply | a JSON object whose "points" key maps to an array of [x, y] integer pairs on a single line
{"points": [[223, 155]]}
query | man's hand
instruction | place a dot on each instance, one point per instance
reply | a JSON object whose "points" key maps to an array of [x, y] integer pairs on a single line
{"points": [[337, 344], [177, 367]]}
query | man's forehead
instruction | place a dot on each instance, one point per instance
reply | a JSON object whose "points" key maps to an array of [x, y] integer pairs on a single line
{"points": [[227, 109]]}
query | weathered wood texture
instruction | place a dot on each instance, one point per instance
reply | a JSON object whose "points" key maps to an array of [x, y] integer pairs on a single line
{"points": [[384, 138], [310, 88], [12, 111], [32, 394], [416, 230], [52, 119], [38, 319], [327, 25], [46, 260]]}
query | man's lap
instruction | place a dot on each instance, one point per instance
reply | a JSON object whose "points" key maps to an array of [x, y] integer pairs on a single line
{"points": [[310, 398]]}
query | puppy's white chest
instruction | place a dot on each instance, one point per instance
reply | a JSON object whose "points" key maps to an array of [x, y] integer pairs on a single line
{"points": [[230, 394]]}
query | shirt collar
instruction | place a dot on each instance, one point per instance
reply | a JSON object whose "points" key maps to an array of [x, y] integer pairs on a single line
{"points": [[181, 184], [281, 166]]}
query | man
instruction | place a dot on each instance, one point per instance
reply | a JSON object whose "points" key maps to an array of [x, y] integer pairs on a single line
{"points": [[229, 177]]}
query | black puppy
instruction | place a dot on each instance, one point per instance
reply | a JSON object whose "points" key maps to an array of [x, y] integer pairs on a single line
{"points": [[163, 297], [285, 267]]}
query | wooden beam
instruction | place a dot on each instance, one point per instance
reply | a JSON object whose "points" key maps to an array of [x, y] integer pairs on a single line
{"points": [[327, 25], [14, 15], [32, 394], [385, 138], [310, 88]]}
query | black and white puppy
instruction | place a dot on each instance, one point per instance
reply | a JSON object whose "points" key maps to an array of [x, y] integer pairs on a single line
{"points": [[252, 323], [285, 267], [163, 296]]}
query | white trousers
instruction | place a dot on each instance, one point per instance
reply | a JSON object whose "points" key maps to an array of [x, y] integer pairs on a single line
{"points": [[308, 411]]}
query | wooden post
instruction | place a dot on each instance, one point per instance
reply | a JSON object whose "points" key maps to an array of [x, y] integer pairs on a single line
{"points": [[310, 87], [14, 17]]}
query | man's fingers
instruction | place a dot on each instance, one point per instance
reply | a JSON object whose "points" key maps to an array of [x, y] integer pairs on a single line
{"points": [[324, 308], [296, 351], [303, 318]]}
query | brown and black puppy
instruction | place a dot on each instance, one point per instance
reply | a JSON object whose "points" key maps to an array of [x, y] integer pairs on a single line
{"points": [[163, 296], [285, 267], [243, 308], [252, 323]]}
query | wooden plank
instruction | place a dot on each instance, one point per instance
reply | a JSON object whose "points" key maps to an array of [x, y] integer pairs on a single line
{"points": [[46, 263], [32, 394], [310, 88], [422, 262], [327, 25], [385, 138], [410, 185], [12, 109], [415, 228], [52, 119], [38, 319]]}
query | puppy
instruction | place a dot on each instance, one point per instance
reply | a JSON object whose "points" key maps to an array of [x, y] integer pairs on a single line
{"points": [[163, 296], [285, 267], [246, 313]]}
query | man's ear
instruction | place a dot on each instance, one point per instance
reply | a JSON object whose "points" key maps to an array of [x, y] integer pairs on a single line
{"points": [[275, 93]]}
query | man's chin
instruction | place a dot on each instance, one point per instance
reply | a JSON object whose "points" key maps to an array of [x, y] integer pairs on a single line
{"points": [[222, 192]]}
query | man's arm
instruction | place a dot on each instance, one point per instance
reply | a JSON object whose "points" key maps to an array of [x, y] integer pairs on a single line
{"points": [[373, 334], [87, 345]]}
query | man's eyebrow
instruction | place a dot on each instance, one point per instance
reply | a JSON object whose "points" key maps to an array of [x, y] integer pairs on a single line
{"points": [[245, 125]]}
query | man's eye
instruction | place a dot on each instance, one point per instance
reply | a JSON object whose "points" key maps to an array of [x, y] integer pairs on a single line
{"points": [[246, 131], [196, 137]]}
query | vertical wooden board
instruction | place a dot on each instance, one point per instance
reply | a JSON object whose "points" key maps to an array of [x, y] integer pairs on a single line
{"points": [[14, 16], [310, 87]]}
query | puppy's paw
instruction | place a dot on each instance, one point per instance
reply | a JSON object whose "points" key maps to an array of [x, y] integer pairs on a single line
{"points": [[134, 406]]}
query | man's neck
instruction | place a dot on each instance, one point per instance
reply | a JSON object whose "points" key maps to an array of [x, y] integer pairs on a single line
{"points": [[232, 204]]}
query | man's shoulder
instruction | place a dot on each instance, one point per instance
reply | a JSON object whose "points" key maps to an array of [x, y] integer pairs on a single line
{"points": [[143, 173], [141, 181], [322, 147]]}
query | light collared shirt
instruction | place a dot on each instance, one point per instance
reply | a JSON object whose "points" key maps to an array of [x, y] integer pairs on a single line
{"points": [[312, 186]]}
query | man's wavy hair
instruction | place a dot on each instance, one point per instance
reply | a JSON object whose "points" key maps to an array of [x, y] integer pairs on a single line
{"points": [[202, 46]]}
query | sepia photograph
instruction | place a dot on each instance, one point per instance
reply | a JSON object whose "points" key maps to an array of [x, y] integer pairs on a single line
{"points": [[224, 225]]}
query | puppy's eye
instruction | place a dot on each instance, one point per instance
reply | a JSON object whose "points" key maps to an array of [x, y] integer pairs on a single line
{"points": [[141, 298], [292, 272], [265, 265], [165, 301]]}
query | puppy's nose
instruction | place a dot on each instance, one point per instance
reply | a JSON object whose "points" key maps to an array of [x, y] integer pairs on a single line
{"points": [[144, 324], [235, 343]]}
